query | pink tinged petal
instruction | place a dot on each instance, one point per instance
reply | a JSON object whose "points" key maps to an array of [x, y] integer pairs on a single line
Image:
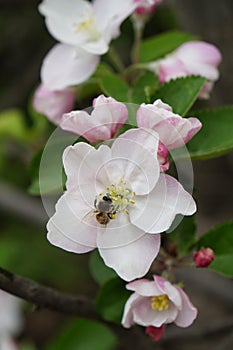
{"points": [[65, 65], [133, 260], [144, 315], [145, 287], [81, 123], [127, 318], [199, 51], [171, 68], [188, 312], [136, 154], [110, 112], [155, 213], [105, 120], [72, 220], [53, 104], [205, 91], [174, 131], [200, 58]]}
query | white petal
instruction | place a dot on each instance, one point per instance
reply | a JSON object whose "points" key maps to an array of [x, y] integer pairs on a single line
{"points": [[72, 220], [118, 233], [188, 312], [110, 15], [62, 18], [144, 315], [136, 154], [127, 318], [84, 166], [155, 213], [144, 287], [65, 65], [133, 260], [58, 239]]}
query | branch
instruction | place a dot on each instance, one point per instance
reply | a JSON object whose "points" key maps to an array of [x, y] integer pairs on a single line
{"points": [[52, 299], [46, 297]]}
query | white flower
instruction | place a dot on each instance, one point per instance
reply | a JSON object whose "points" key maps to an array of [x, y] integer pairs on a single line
{"points": [[155, 303], [117, 201], [84, 31]]}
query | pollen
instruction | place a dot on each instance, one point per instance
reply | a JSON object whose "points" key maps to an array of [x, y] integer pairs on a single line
{"points": [[121, 196], [160, 302]]}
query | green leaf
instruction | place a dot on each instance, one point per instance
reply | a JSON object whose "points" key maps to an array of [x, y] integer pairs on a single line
{"points": [[12, 124], [220, 239], [99, 271], [160, 45], [215, 137], [144, 87], [223, 264], [111, 300], [82, 334], [180, 93], [184, 234], [114, 86], [46, 167]]}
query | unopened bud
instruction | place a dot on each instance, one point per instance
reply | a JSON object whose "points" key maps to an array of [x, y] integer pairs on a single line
{"points": [[155, 333], [163, 157], [204, 257]]}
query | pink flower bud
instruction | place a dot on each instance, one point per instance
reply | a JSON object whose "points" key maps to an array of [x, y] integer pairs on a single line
{"points": [[163, 157], [204, 257], [53, 104], [146, 7], [155, 333]]}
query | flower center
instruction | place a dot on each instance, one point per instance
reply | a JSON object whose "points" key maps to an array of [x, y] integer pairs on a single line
{"points": [[160, 302], [117, 198], [88, 27]]}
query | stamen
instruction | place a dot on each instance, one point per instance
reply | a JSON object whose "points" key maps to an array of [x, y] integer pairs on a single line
{"points": [[160, 302]]}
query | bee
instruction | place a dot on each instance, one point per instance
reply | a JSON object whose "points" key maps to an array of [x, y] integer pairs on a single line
{"points": [[104, 210]]}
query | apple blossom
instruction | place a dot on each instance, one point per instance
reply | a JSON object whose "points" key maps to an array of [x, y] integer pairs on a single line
{"points": [[107, 117], [116, 200], [157, 302], [204, 257], [193, 57], [174, 131], [53, 104], [84, 31]]}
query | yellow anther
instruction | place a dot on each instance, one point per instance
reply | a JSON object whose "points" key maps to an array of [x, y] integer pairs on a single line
{"points": [[126, 211], [131, 201], [160, 302]]}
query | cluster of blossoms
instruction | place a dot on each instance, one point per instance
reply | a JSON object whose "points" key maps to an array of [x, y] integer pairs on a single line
{"points": [[85, 30], [10, 320], [118, 198]]}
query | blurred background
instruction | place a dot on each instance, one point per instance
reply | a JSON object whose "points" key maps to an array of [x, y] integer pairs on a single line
{"points": [[24, 41]]}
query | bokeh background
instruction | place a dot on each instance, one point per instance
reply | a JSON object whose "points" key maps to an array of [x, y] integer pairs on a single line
{"points": [[24, 42]]}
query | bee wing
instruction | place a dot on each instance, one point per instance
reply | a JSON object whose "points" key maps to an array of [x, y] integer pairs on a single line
{"points": [[88, 216]]}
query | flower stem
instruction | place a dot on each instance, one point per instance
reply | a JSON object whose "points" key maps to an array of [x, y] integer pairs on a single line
{"points": [[115, 59]]}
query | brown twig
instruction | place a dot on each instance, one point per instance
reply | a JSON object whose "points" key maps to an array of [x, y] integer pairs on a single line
{"points": [[46, 297]]}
